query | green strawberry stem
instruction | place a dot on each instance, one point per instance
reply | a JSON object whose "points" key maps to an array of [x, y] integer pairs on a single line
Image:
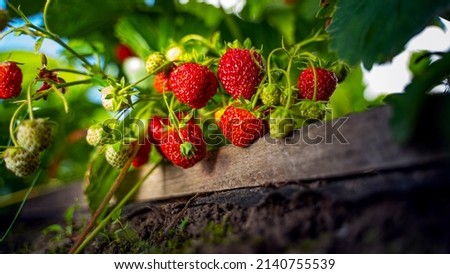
{"points": [[44, 15], [311, 64], [104, 202], [202, 40], [46, 33], [114, 211], [70, 71], [12, 121], [29, 101], [126, 88], [62, 97]]}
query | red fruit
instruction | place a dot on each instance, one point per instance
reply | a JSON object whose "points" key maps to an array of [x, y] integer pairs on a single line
{"points": [[326, 84], [157, 129], [241, 127], [185, 147], [10, 80], [143, 154], [241, 71], [161, 82], [123, 52], [193, 84]]}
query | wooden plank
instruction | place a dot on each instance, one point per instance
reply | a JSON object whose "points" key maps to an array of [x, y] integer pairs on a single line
{"points": [[352, 145]]}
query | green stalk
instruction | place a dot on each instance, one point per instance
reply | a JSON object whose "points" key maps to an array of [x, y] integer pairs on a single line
{"points": [[120, 205], [11, 123], [44, 14], [19, 210], [104, 203], [29, 101]]}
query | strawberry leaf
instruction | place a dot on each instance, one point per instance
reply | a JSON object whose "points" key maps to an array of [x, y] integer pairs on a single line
{"points": [[371, 31]]}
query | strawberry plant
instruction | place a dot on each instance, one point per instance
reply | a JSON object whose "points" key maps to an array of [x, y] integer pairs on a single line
{"points": [[151, 84]]}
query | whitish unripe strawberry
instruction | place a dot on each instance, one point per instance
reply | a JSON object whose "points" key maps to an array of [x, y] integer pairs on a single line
{"points": [[112, 101], [117, 155], [96, 136], [21, 162], [34, 135]]}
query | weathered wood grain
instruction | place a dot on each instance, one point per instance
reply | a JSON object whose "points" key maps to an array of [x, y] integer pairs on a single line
{"points": [[353, 145]]}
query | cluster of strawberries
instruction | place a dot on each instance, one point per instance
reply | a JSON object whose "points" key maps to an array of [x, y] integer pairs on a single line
{"points": [[255, 106], [242, 74]]}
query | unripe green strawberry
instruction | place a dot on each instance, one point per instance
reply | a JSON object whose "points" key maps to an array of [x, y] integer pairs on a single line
{"points": [[281, 123], [270, 95], [117, 155], [34, 135], [311, 110], [154, 61], [21, 161]]}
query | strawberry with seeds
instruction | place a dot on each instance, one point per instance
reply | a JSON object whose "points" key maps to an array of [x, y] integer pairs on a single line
{"points": [[184, 147], [34, 135], [10, 80], [143, 154], [241, 71], [241, 127], [193, 84], [21, 161], [317, 84]]}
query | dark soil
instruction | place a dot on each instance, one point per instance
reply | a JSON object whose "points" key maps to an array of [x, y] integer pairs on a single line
{"points": [[406, 211]]}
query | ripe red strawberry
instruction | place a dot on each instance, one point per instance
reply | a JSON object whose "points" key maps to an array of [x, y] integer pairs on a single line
{"points": [[10, 80], [184, 147], [143, 154], [241, 127], [193, 84], [157, 127], [123, 52], [161, 82], [241, 71], [326, 84]]}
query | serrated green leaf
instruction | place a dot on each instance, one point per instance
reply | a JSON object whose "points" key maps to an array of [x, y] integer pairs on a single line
{"points": [[376, 31]]}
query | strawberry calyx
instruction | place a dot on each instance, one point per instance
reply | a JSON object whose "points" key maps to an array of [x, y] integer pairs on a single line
{"points": [[187, 149]]}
